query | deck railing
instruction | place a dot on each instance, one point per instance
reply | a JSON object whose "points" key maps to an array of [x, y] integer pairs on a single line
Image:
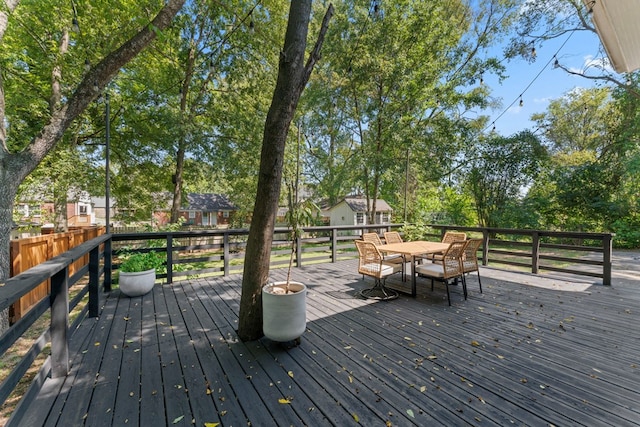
{"points": [[220, 252]]}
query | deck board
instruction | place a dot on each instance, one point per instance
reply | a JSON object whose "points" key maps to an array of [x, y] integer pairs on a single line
{"points": [[516, 354]]}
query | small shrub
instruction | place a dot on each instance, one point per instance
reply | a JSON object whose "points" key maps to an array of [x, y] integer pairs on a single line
{"points": [[136, 262]]}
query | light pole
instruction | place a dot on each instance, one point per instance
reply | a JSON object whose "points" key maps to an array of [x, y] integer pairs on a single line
{"points": [[106, 163]]}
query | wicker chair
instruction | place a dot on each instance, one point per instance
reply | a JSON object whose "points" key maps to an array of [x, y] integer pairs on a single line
{"points": [[449, 237], [392, 237], [470, 259], [389, 258], [371, 263], [448, 268]]}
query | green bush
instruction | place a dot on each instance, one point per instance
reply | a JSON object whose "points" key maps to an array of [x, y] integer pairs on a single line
{"points": [[143, 261]]}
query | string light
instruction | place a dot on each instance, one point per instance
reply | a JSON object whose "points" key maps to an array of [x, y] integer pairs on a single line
{"points": [[74, 25], [87, 65], [553, 59]]}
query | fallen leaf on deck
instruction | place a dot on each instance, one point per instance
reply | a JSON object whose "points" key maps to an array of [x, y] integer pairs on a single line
{"points": [[350, 379], [290, 373], [211, 424], [407, 338], [209, 391], [284, 401], [126, 318], [177, 420], [410, 413], [356, 418], [500, 356], [347, 347], [423, 388], [530, 325], [475, 343], [97, 344], [432, 357]]}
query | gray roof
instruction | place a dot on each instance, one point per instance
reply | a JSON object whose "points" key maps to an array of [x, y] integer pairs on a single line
{"points": [[208, 202], [358, 204]]}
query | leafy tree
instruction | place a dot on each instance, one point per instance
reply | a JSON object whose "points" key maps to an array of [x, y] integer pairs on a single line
{"points": [[398, 77], [44, 86], [503, 169]]}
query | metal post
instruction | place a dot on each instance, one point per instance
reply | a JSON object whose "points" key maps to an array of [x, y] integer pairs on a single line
{"points": [[106, 163]]}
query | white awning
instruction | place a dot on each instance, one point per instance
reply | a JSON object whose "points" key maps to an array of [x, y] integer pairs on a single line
{"points": [[618, 25]]}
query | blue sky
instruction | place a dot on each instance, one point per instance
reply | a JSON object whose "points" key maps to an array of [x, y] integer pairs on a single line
{"points": [[577, 53]]}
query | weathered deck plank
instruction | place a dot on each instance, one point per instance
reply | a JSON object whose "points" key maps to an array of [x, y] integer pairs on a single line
{"points": [[516, 354]]}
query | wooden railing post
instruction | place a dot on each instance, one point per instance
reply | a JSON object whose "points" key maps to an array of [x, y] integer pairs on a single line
{"points": [[108, 266], [485, 246], [298, 251], [607, 252], [535, 252], [226, 253], [334, 245], [59, 323], [94, 279], [169, 258]]}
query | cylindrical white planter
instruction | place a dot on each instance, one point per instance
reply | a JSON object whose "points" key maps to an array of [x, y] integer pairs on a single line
{"points": [[136, 284], [284, 315]]}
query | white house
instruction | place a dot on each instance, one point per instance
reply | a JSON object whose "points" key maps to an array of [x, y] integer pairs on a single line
{"points": [[353, 210]]}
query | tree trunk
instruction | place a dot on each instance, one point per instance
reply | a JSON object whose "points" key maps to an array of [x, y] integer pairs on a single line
{"points": [[293, 75]]}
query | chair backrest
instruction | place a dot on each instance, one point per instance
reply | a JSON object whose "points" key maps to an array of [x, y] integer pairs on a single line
{"points": [[370, 258], [452, 259], [392, 237], [452, 236], [471, 255], [373, 238]]}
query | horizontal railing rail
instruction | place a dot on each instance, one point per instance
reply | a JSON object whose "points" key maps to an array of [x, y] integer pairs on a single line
{"points": [[221, 252]]}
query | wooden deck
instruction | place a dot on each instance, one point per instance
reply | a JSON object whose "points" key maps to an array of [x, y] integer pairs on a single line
{"points": [[561, 354]]}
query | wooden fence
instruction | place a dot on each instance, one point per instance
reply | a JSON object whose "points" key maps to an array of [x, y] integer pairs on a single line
{"points": [[31, 251]]}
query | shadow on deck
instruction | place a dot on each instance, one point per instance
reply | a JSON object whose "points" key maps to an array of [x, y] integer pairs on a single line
{"points": [[527, 351]]}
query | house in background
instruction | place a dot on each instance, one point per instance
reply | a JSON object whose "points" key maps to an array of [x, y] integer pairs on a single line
{"points": [[206, 209], [353, 210]]}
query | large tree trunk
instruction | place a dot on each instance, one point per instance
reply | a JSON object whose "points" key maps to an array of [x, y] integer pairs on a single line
{"points": [[293, 75], [14, 167]]}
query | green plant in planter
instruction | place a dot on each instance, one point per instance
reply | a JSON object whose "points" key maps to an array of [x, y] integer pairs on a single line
{"points": [[142, 261]]}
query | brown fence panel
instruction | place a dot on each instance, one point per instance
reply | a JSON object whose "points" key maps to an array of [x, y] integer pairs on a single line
{"points": [[31, 251]]}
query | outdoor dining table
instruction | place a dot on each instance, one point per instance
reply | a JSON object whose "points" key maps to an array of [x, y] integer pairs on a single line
{"points": [[414, 249]]}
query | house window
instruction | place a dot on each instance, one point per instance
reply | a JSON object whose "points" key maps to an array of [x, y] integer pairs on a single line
{"points": [[359, 218], [386, 218], [192, 214], [225, 214], [82, 209]]}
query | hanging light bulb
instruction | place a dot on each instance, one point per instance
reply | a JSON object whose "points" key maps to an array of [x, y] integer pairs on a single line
{"points": [[556, 63], [252, 27], [74, 25], [533, 52], [494, 127], [521, 101], [481, 80], [87, 65]]}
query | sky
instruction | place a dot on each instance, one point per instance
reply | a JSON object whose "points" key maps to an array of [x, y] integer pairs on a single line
{"points": [[540, 82]]}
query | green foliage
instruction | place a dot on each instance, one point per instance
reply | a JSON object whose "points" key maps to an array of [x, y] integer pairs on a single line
{"points": [[141, 261]]}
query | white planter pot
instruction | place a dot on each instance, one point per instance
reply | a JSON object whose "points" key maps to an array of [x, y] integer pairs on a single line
{"points": [[137, 284], [284, 316]]}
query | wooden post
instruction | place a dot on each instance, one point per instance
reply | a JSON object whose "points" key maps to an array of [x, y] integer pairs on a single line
{"points": [[485, 246], [334, 245], [299, 251], [535, 253], [59, 323], [169, 258], [94, 279], [607, 251], [108, 265], [225, 253]]}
